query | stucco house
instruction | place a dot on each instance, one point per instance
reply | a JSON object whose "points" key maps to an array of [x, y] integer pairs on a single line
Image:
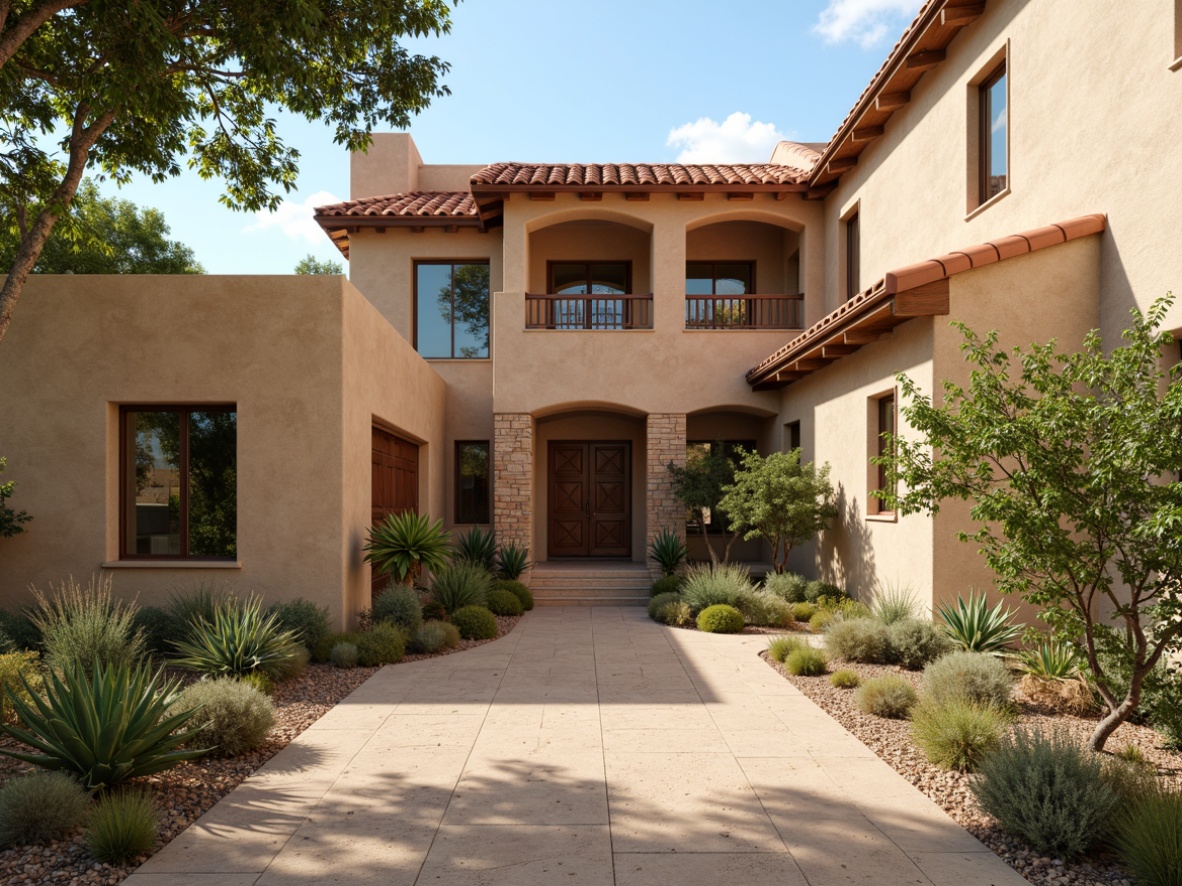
{"points": [[528, 345]]}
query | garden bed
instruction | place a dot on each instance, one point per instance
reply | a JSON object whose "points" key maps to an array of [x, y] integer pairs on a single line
{"points": [[891, 740], [184, 793]]}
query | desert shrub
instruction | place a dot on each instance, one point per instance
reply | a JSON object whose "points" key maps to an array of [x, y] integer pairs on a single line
{"points": [[764, 609], [239, 639], [1148, 837], [17, 669], [307, 622], [40, 807], [344, 654], [889, 696], [188, 606], [1047, 790], [1063, 696], [958, 733], [122, 827], [844, 607], [857, 639], [503, 603], [400, 606], [788, 586], [895, 604], [806, 662], [672, 611], [479, 547], [475, 623], [802, 611], [844, 679], [722, 583], [820, 620], [666, 584], [915, 643], [322, 651], [461, 585], [779, 648], [815, 590], [1130, 780], [720, 619], [973, 675], [385, 644], [20, 629], [87, 626], [290, 667], [434, 636], [518, 590], [433, 611], [158, 628], [657, 603], [232, 716], [259, 681]]}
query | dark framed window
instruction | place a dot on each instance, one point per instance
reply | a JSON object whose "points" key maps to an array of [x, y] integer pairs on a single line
{"points": [[472, 481], [452, 309], [792, 435], [694, 520], [994, 139], [720, 278], [590, 277], [179, 482], [853, 257], [886, 422]]}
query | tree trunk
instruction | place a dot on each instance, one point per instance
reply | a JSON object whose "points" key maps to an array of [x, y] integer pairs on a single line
{"points": [[1112, 721], [706, 538]]}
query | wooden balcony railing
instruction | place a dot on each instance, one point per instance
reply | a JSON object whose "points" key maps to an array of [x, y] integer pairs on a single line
{"points": [[744, 311], [588, 311]]}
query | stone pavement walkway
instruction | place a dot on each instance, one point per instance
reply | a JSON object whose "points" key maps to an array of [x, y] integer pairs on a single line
{"points": [[589, 746]]}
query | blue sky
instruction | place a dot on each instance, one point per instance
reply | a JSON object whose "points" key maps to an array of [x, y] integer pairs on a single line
{"points": [[593, 81]]}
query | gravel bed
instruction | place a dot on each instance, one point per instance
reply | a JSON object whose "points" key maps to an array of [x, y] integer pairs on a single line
{"points": [[184, 793], [891, 740]]}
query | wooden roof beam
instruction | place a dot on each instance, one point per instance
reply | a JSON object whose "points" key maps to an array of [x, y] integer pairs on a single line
{"points": [[868, 133], [841, 164], [593, 196], [928, 300], [892, 101], [922, 61], [959, 16], [638, 196]]}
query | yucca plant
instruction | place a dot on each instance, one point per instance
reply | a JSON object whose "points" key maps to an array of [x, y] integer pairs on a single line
{"points": [[512, 562], [477, 546], [1050, 660], [104, 727], [668, 551], [403, 545], [975, 627], [239, 640]]}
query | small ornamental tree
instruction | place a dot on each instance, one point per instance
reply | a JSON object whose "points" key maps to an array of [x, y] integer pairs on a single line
{"points": [[10, 520], [699, 486], [1070, 462], [778, 498]]}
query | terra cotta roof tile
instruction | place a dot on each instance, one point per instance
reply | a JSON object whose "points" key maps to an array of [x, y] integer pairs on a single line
{"points": [[416, 204], [672, 175]]}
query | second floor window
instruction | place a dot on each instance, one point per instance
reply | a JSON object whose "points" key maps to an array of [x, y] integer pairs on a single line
{"points": [[590, 278], [719, 278], [451, 309], [995, 134], [853, 257]]}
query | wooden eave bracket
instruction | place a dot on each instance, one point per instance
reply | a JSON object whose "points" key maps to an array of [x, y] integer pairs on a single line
{"points": [[928, 300], [892, 101], [922, 61], [868, 133], [959, 16]]}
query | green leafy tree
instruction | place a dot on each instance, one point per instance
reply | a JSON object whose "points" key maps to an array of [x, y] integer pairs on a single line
{"points": [[1069, 461], [143, 87], [699, 485], [781, 500], [10, 520], [106, 236], [310, 264]]}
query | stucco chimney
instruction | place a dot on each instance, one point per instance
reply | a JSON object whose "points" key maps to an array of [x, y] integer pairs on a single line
{"points": [[390, 166]]}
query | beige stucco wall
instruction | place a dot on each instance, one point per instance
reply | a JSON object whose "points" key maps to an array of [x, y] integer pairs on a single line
{"points": [[1093, 120], [774, 250], [589, 240], [283, 349]]}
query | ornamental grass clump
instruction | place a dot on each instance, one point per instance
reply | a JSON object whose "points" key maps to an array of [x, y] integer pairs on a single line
{"points": [[232, 716], [461, 585], [720, 619], [670, 609], [307, 622], [237, 640], [1047, 790], [721, 583], [765, 610], [857, 639], [398, 605], [344, 654], [802, 612], [788, 586], [890, 697], [115, 723], [40, 807], [895, 604], [844, 679], [1148, 837], [972, 675], [958, 733], [518, 590], [86, 626], [475, 623], [434, 636], [806, 661], [503, 603], [122, 827], [915, 643], [779, 648]]}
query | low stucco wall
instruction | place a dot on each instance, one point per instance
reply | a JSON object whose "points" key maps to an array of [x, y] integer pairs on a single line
{"points": [[284, 350]]}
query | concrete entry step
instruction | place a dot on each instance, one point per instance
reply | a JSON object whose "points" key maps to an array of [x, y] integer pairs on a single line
{"points": [[591, 583], [589, 601]]}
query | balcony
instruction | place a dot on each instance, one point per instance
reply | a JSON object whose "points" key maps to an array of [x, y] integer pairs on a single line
{"points": [[744, 311], [598, 312]]}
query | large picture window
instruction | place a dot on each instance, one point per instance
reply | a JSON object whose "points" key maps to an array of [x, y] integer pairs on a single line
{"points": [[452, 309], [179, 482], [472, 487]]}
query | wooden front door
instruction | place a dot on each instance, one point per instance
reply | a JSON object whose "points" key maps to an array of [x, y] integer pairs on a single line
{"points": [[395, 481], [590, 499]]}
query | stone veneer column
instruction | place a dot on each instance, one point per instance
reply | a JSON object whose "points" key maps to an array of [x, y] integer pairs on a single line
{"points": [[665, 443], [513, 477]]}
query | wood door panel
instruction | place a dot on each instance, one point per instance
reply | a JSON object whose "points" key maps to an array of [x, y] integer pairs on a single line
{"points": [[394, 480], [590, 499]]}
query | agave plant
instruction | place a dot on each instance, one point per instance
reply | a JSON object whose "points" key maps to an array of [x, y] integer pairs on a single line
{"points": [[477, 546], [104, 728], [1050, 660], [512, 561], [240, 640], [973, 626], [403, 545], [668, 551]]}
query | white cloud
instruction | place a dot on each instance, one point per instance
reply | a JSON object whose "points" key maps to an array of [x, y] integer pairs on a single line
{"points": [[863, 21], [737, 139], [294, 218]]}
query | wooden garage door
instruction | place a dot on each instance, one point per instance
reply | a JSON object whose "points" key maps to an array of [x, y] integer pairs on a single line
{"points": [[395, 479]]}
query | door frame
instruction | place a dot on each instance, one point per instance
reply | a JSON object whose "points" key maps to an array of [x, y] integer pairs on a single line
{"points": [[589, 479]]}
